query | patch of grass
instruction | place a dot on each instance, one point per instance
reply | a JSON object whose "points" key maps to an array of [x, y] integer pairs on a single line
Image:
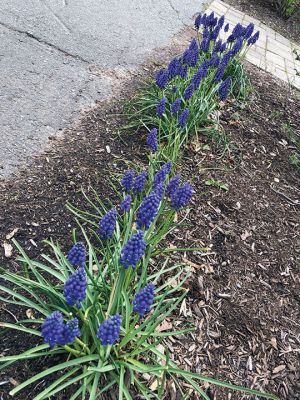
{"points": [[217, 183], [295, 160]]}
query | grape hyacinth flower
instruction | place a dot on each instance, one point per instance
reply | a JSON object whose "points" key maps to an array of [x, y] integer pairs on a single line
{"points": [[125, 204], [206, 33], [147, 210], [211, 20], [109, 330], [184, 71], [198, 21], [160, 191], [71, 330], [203, 19], [218, 46], [162, 78], [249, 30], [221, 21], [173, 185], [214, 60], [162, 173], [223, 89], [174, 88], [219, 73], [237, 46], [161, 106], [127, 181], [173, 68], [190, 56], [182, 119], [205, 45], [107, 224], [77, 254], [75, 288], [53, 329], [56, 332], [188, 92], [182, 196], [215, 33], [143, 300], [253, 39], [175, 107], [200, 74], [152, 140], [226, 28], [140, 182], [133, 250]]}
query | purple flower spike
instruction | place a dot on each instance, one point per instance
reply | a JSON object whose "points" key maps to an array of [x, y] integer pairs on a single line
{"points": [[107, 224], [182, 119], [125, 204], [143, 300], [133, 250], [77, 254], [162, 78], [182, 196], [224, 88], [56, 332], [198, 21], [75, 288], [188, 92], [173, 185], [127, 181], [161, 106], [148, 210], [109, 330], [152, 140], [175, 107], [140, 182]]}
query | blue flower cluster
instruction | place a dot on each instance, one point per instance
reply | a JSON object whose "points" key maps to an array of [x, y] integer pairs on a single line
{"points": [[224, 88], [56, 332], [139, 182], [147, 210], [109, 330], [107, 224], [210, 53], [127, 181], [126, 204], [77, 254], [135, 183], [181, 196], [162, 173], [143, 300], [152, 140], [133, 250], [75, 288]]}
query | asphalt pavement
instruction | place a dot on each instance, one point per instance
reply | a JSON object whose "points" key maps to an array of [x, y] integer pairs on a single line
{"points": [[57, 57]]}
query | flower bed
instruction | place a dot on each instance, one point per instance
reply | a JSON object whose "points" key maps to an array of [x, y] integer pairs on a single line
{"points": [[101, 304]]}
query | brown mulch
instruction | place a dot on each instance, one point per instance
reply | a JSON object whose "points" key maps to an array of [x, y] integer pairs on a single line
{"points": [[244, 294], [266, 13]]}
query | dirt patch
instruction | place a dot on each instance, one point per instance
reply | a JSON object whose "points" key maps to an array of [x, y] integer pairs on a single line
{"points": [[266, 13]]}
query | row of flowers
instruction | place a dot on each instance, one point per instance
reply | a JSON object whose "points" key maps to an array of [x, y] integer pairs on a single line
{"points": [[105, 303]]}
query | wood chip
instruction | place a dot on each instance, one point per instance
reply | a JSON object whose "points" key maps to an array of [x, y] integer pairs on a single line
{"points": [[278, 369], [8, 249], [11, 234]]}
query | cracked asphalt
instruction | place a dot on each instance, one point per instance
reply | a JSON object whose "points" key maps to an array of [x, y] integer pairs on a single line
{"points": [[57, 57]]}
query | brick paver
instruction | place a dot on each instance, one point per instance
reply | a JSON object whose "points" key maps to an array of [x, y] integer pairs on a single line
{"points": [[272, 52]]}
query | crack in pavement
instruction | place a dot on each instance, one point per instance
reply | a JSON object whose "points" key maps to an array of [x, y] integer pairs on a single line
{"points": [[40, 40], [177, 13]]}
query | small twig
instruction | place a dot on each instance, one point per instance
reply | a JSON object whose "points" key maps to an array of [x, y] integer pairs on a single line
{"points": [[295, 203]]}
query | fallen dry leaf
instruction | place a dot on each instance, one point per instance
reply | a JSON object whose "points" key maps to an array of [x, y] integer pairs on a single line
{"points": [[29, 313], [164, 326], [278, 369], [245, 235], [8, 249], [11, 234]]}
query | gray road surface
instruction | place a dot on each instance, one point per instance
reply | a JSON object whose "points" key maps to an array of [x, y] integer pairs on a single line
{"points": [[58, 56]]}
